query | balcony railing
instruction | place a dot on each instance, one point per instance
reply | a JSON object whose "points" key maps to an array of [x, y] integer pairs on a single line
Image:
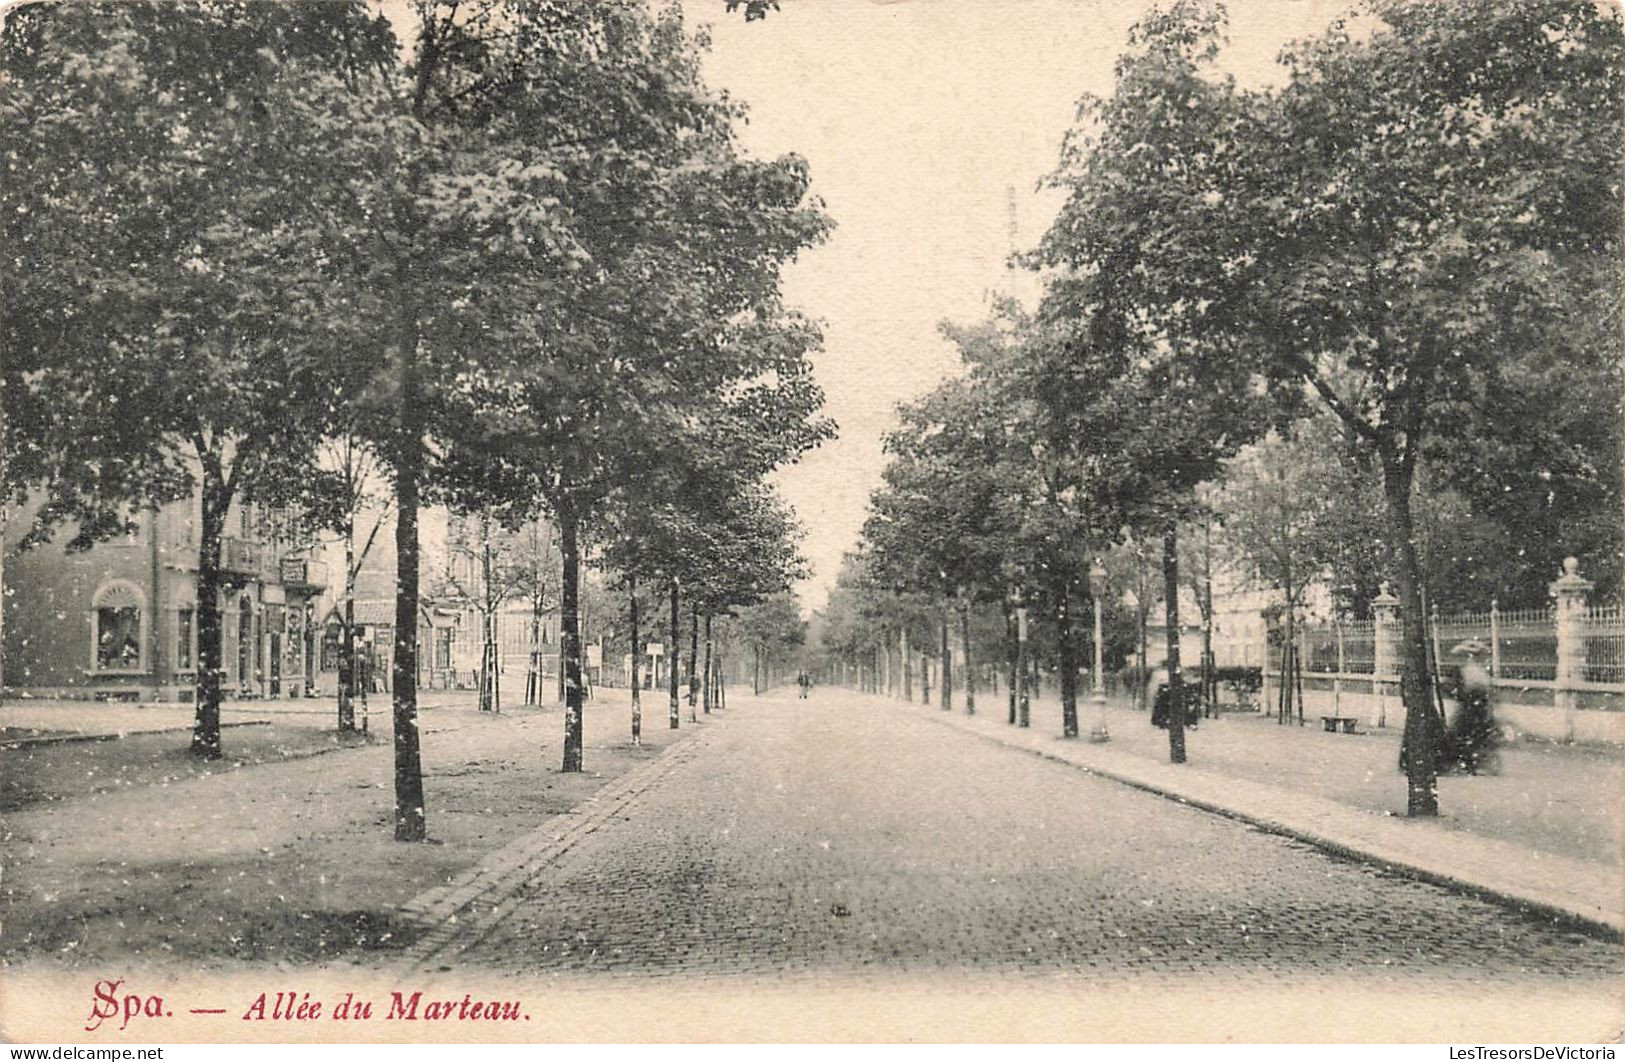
{"points": [[243, 557]]}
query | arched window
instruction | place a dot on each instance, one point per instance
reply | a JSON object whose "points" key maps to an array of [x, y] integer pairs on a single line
{"points": [[115, 628]]}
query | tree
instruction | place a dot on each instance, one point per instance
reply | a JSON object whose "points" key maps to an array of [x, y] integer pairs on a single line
{"points": [[1295, 510], [355, 472], [685, 240], [933, 525], [1147, 342], [426, 212], [153, 359], [1435, 200], [536, 559], [489, 565], [748, 557], [1196, 563], [850, 629], [770, 630]]}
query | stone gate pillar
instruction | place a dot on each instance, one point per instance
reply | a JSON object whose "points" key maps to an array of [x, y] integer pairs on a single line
{"points": [[1384, 649], [1569, 591]]}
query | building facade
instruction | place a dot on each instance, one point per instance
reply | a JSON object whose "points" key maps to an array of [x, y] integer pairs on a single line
{"points": [[119, 620]]}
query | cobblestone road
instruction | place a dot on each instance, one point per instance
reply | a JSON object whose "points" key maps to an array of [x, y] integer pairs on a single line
{"points": [[840, 836]]}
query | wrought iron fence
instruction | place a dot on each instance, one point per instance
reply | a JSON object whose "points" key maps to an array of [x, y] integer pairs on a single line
{"points": [[1523, 643], [1603, 628]]}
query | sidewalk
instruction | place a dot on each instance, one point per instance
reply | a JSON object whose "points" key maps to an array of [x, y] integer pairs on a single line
{"points": [[131, 854], [41, 718], [1545, 833]]}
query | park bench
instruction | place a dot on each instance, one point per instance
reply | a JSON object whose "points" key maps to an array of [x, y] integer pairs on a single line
{"points": [[1333, 722]]}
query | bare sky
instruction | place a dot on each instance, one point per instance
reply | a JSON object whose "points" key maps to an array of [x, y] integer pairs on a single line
{"points": [[924, 121]]}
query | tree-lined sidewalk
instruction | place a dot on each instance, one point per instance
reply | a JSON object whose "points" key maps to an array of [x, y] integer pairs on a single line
{"points": [[515, 258], [199, 866], [1549, 799], [1413, 239]]}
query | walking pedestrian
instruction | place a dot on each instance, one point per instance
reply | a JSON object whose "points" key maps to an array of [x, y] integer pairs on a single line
{"points": [[1471, 735]]}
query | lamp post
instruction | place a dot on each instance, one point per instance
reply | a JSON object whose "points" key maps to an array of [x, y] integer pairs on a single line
{"points": [[1023, 702], [1097, 587]]}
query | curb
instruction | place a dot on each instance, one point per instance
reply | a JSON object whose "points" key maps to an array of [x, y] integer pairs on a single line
{"points": [[492, 883], [1607, 926], [67, 739]]}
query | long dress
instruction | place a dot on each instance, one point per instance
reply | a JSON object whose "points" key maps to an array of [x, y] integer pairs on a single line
{"points": [[1473, 734]]}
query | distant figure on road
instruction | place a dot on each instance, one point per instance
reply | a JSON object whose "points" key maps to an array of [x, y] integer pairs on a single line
{"points": [[804, 681]]}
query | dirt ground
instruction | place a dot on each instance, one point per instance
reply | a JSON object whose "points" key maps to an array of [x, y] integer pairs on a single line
{"points": [[128, 854], [42, 772]]}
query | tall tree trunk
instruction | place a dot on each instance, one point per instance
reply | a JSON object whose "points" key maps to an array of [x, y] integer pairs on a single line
{"points": [[1297, 675], [1012, 659], [970, 667], [488, 632], [1289, 658], [1023, 683], [1176, 685], [671, 668], [1283, 689], [1141, 689], [908, 668], [706, 679], [559, 683], [410, 821], [693, 663], [5, 515], [1069, 661], [210, 628], [533, 670], [570, 639], [1210, 681], [713, 662], [946, 678], [1420, 739], [347, 634], [637, 678], [583, 631]]}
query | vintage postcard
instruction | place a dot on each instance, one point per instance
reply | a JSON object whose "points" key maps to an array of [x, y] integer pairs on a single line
{"points": [[1087, 521]]}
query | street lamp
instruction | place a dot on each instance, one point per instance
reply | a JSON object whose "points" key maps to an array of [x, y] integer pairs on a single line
{"points": [[1097, 588]]}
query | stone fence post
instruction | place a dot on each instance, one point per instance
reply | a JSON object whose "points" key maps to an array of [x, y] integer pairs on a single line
{"points": [[1495, 638], [1384, 649], [1570, 593]]}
